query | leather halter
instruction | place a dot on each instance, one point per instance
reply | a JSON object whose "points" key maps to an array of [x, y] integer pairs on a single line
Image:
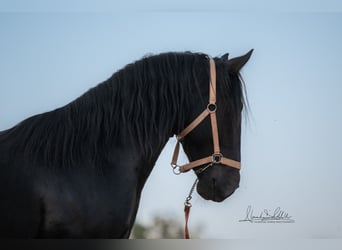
{"points": [[216, 157]]}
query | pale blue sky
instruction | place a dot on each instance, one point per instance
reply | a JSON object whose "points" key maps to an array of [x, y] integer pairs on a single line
{"points": [[291, 143], [167, 5]]}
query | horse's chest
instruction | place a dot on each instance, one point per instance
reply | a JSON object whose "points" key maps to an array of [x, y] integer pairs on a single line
{"points": [[86, 209]]}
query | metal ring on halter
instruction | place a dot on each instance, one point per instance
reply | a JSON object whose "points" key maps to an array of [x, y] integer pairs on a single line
{"points": [[212, 107], [217, 158], [176, 169]]}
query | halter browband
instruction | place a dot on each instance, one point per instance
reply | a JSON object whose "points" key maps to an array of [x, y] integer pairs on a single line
{"points": [[216, 157]]}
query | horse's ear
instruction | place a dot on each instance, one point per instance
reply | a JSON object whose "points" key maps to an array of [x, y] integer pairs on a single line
{"points": [[236, 64], [225, 56]]}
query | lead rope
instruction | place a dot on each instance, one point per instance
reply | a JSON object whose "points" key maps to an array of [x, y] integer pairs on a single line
{"points": [[187, 206]]}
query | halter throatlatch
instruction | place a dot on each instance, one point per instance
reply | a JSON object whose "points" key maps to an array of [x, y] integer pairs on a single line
{"points": [[216, 157]]}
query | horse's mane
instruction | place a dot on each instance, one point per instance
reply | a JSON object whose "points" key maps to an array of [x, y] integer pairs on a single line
{"points": [[140, 104]]}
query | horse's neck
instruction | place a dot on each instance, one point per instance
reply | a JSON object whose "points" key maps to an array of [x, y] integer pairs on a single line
{"points": [[132, 161]]}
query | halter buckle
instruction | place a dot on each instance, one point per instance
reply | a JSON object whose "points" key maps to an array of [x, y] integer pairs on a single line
{"points": [[217, 158]]}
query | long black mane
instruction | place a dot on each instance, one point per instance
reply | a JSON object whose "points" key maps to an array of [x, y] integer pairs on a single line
{"points": [[140, 103]]}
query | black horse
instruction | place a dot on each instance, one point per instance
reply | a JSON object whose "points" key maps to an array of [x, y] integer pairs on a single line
{"points": [[78, 171]]}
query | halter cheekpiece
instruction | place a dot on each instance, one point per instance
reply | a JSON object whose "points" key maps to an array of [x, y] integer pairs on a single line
{"points": [[216, 157]]}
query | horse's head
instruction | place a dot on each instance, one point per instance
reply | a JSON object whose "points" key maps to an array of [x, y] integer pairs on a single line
{"points": [[219, 180]]}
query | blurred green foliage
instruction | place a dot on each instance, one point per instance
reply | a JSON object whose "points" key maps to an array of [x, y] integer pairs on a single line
{"points": [[161, 228]]}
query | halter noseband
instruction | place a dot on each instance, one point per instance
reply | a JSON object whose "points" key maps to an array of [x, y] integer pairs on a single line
{"points": [[216, 157]]}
